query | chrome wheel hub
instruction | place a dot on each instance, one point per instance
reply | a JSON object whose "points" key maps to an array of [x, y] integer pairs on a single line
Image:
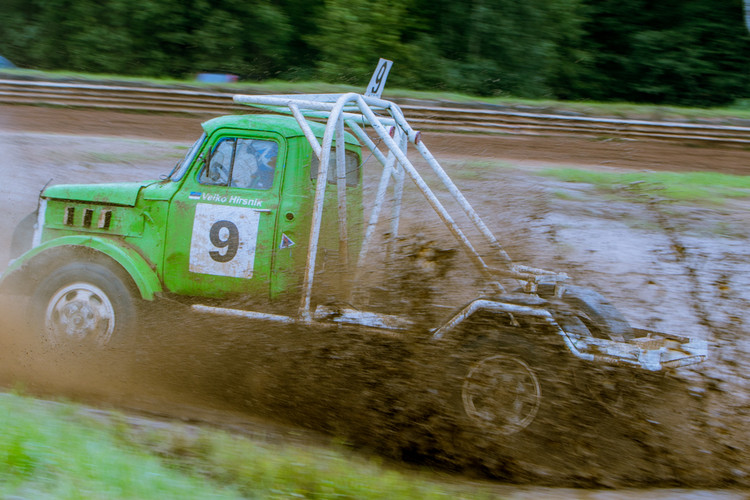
{"points": [[80, 312]]}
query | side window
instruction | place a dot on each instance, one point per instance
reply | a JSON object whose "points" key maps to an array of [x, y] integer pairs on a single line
{"points": [[352, 168], [220, 166], [242, 163], [254, 164]]}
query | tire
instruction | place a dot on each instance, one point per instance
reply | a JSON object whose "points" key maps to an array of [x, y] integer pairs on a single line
{"points": [[600, 316], [513, 403], [502, 387], [84, 305], [501, 393]]}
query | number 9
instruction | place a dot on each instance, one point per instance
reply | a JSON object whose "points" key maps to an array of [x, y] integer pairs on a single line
{"points": [[231, 242], [379, 78]]}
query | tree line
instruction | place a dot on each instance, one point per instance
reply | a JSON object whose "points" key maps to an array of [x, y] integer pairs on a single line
{"points": [[687, 52]]}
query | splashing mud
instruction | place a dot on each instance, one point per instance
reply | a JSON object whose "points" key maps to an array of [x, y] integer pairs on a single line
{"points": [[676, 268]]}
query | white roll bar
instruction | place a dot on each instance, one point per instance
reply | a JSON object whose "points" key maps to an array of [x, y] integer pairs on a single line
{"points": [[354, 111]]}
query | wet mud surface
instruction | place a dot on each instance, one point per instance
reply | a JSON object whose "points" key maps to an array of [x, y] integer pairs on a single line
{"points": [[679, 268]]}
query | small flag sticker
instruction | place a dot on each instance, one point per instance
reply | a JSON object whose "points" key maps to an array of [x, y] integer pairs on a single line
{"points": [[286, 241], [194, 195]]}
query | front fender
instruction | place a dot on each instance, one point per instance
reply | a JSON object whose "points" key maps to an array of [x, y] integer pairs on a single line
{"points": [[140, 271]]}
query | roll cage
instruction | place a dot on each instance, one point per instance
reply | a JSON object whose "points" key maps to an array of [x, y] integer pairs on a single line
{"points": [[354, 112]]}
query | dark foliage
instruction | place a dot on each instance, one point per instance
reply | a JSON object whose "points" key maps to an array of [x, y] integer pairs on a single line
{"points": [[692, 52]]}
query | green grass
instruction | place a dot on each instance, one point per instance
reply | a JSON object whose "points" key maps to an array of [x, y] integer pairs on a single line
{"points": [[49, 452], [57, 451], [707, 187], [475, 170]]}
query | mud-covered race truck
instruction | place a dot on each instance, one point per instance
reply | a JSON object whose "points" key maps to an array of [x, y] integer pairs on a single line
{"points": [[265, 219]]}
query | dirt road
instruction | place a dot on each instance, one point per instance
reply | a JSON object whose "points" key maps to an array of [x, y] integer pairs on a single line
{"points": [[606, 152], [672, 267]]}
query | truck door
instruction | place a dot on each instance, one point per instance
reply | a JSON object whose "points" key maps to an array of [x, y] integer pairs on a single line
{"points": [[222, 222]]}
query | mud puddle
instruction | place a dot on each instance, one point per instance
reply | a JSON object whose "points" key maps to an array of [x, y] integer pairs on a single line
{"points": [[681, 269]]}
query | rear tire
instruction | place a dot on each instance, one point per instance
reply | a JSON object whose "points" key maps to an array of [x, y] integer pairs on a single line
{"points": [[84, 305], [512, 402], [501, 393]]}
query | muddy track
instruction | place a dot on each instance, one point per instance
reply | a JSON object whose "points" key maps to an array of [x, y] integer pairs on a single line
{"points": [[388, 394], [633, 154], [392, 396]]}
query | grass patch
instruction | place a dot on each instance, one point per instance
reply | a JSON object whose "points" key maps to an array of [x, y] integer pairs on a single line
{"points": [[566, 195], [707, 187], [474, 170], [466, 171], [49, 452], [57, 451]]}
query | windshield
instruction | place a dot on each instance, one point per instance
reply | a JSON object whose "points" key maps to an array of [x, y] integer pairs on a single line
{"points": [[179, 170]]}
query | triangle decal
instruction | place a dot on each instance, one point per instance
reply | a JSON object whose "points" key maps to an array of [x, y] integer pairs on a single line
{"points": [[286, 241]]}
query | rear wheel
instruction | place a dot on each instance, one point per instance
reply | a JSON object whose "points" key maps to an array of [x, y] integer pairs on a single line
{"points": [[501, 393], [512, 401], [84, 304]]}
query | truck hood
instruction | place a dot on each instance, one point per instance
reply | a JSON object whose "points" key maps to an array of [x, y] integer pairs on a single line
{"points": [[121, 193]]}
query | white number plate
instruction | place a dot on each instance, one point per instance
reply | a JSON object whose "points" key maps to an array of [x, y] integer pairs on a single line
{"points": [[377, 82], [224, 240]]}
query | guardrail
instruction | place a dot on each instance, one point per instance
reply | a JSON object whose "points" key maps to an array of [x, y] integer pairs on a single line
{"points": [[427, 118]]}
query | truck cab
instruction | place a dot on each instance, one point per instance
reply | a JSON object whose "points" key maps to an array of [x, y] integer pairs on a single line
{"points": [[231, 219]]}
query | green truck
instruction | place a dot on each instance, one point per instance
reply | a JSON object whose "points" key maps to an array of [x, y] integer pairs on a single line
{"points": [[265, 219]]}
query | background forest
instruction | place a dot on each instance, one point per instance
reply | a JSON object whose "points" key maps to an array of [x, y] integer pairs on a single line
{"points": [[687, 52]]}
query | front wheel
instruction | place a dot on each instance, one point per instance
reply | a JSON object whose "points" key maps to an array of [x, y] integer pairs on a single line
{"points": [[84, 304]]}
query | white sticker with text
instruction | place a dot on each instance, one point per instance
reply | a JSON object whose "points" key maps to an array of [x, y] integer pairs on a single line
{"points": [[224, 240]]}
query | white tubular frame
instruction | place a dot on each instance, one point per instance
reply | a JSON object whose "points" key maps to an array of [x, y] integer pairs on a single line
{"points": [[354, 111]]}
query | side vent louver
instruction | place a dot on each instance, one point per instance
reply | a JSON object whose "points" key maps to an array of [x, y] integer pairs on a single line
{"points": [[88, 214], [103, 222], [70, 213], [105, 218]]}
